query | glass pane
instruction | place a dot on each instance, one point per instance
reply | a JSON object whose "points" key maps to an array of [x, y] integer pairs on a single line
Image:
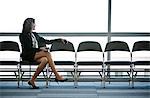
{"points": [[130, 41], [130, 16], [55, 15]]}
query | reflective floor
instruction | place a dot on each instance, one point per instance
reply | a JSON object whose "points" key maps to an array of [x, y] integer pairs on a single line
{"points": [[67, 90]]}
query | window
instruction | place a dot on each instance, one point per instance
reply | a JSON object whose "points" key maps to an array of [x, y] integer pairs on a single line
{"points": [[55, 15], [130, 16]]}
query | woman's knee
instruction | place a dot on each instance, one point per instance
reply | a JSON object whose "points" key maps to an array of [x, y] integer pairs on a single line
{"points": [[44, 60], [44, 55], [47, 54]]}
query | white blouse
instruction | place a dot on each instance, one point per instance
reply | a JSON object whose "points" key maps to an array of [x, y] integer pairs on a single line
{"points": [[34, 41]]}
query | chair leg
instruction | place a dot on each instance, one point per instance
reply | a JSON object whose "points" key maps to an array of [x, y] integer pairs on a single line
{"points": [[47, 75], [108, 73], [18, 79], [19, 76], [75, 78], [103, 78], [30, 72], [132, 77]]}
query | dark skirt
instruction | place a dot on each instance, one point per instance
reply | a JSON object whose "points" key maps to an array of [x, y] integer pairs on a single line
{"points": [[28, 56]]}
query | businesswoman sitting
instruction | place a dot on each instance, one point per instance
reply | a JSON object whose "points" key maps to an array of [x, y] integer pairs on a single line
{"points": [[33, 50]]}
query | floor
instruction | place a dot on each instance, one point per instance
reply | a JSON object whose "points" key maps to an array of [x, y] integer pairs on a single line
{"points": [[67, 90]]}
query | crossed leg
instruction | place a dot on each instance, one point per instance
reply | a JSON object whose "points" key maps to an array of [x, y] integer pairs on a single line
{"points": [[43, 58]]}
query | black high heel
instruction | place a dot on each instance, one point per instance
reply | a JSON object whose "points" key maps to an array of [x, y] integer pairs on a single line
{"points": [[60, 80], [33, 86]]}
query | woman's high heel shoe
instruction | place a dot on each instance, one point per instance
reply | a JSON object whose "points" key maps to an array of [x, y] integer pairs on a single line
{"points": [[33, 86], [60, 80]]}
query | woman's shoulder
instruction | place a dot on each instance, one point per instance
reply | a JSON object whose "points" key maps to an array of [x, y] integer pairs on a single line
{"points": [[34, 32], [22, 34]]}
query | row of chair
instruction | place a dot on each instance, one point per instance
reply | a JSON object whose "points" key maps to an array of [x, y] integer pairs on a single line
{"points": [[89, 57]]}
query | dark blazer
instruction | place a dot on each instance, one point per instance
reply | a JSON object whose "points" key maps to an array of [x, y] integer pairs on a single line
{"points": [[28, 52]]}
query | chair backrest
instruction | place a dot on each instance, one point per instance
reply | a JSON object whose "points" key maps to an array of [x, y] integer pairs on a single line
{"points": [[119, 50], [62, 52], [141, 51], [141, 46], [89, 51], [9, 46], [9, 51], [117, 46], [89, 46], [59, 46]]}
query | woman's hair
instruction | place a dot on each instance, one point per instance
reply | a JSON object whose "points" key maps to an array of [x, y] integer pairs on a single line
{"points": [[27, 25]]}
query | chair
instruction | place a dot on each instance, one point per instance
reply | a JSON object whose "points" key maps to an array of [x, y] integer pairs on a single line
{"points": [[141, 57], [9, 60], [89, 59], [64, 57], [119, 60], [30, 67]]}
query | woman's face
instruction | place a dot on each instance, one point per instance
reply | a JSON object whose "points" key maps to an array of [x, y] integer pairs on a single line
{"points": [[33, 26]]}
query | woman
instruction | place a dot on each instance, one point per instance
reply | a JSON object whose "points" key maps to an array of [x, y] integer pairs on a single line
{"points": [[33, 49]]}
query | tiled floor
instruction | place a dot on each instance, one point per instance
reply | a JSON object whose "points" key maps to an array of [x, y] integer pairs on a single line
{"points": [[67, 90]]}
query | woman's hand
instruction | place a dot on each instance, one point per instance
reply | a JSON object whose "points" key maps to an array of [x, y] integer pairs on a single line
{"points": [[64, 41]]}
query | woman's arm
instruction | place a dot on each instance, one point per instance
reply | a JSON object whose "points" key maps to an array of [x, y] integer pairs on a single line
{"points": [[26, 43], [54, 40], [43, 42]]}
